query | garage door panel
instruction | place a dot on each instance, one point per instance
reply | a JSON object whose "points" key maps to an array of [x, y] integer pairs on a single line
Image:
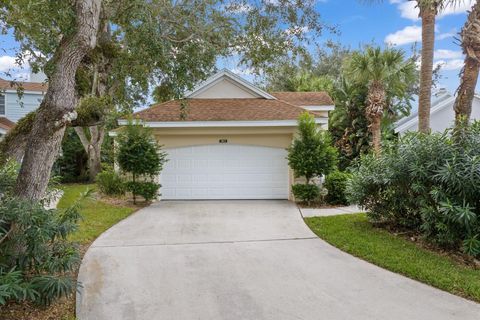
{"points": [[225, 172]]}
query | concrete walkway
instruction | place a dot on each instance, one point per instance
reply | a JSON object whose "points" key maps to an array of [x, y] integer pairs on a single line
{"points": [[334, 211], [242, 260]]}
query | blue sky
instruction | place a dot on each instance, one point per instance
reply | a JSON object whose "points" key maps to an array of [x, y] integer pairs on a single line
{"points": [[393, 21]]}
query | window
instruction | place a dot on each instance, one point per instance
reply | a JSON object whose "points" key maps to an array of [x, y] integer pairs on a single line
{"points": [[2, 104]]}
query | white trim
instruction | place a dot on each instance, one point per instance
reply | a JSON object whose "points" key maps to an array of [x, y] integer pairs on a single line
{"points": [[5, 102], [232, 76], [24, 92], [319, 108], [3, 131], [400, 128], [210, 124]]}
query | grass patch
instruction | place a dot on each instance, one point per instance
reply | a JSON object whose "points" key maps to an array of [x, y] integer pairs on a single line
{"points": [[355, 235], [97, 215]]}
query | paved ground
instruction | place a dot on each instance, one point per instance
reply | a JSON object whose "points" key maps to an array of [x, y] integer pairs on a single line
{"points": [[248, 260], [323, 212]]}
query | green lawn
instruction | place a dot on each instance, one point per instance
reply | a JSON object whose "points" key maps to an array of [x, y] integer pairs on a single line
{"points": [[97, 216], [355, 235]]}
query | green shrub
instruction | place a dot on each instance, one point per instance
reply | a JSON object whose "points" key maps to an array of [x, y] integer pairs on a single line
{"points": [[311, 153], [36, 258], [148, 190], [428, 183], [140, 156], [110, 183], [306, 192], [336, 183]]}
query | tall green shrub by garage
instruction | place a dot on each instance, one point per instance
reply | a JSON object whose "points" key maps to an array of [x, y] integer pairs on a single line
{"points": [[311, 155], [141, 158]]}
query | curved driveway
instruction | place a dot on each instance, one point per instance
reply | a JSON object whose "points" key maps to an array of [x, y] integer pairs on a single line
{"points": [[242, 260]]}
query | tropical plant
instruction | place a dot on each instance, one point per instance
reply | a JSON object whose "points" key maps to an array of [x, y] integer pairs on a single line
{"points": [[425, 183], [140, 156], [428, 9], [71, 165], [36, 258], [470, 41], [387, 74]]}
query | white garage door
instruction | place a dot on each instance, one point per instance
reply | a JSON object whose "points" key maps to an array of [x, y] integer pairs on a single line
{"points": [[225, 172]]}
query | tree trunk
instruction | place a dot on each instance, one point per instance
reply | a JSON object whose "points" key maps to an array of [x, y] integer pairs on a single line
{"points": [[471, 48], [93, 147], [376, 101], [427, 13], [57, 107]]}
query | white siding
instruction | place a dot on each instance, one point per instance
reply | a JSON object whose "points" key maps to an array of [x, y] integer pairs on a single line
{"points": [[225, 89], [17, 107]]}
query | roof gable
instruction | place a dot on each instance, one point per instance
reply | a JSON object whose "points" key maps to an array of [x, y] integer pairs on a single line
{"points": [[227, 85]]}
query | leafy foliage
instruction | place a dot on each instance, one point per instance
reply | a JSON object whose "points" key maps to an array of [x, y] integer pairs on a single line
{"points": [[139, 155], [8, 177], [336, 184], [311, 154], [36, 257], [110, 183], [306, 192], [71, 165], [428, 183], [147, 189]]}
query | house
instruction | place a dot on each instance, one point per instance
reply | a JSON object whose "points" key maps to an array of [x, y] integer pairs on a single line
{"points": [[231, 143], [442, 115], [5, 126], [14, 107]]}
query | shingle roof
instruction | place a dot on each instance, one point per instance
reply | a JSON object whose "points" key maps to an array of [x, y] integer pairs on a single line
{"points": [[304, 98], [6, 124], [222, 110], [27, 86]]}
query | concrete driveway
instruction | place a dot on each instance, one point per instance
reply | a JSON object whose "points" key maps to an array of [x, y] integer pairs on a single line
{"points": [[247, 260]]}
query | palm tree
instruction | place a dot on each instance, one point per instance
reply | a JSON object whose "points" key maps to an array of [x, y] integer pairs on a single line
{"points": [[428, 12], [470, 37], [386, 74]]}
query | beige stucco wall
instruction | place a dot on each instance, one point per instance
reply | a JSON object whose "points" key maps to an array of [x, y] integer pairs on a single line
{"points": [[275, 137]]}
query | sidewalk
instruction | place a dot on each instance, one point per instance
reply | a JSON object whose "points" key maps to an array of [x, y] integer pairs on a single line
{"points": [[323, 212]]}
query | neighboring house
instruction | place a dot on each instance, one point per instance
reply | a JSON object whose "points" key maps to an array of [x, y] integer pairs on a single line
{"points": [[14, 107], [442, 115], [5, 125], [231, 142]]}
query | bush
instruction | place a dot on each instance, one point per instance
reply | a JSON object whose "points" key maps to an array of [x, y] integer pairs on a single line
{"points": [[36, 258], [148, 190], [141, 156], [427, 183], [311, 153], [336, 183], [306, 192], [110, 183]]}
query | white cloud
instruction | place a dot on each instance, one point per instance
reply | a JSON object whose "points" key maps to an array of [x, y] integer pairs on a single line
{"points": [[454, 64], [448, 54], [408, 34], [409, 10], [7, 63]]}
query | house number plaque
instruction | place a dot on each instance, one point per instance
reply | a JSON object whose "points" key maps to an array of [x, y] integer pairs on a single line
{"points": [[222, 141]]}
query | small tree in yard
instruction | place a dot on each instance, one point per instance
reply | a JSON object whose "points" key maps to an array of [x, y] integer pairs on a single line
{"points": [[141, 156], [310, 155]]}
